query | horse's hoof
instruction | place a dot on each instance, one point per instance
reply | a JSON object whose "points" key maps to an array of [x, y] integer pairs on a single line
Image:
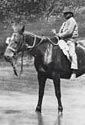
{"points": [[38, 109], [60, 109]]}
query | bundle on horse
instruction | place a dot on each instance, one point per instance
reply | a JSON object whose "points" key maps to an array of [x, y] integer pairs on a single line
{"points": [[50, 62]]}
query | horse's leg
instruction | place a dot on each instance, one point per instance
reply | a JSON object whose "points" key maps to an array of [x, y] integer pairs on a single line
{"points": [[41, 81], [56, 80]]}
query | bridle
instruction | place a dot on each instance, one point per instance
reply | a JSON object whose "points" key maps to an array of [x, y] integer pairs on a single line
{"points": [[28, 48]]}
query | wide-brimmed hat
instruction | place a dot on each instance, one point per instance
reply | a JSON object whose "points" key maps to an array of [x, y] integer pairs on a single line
{"points": [[68, 10]]}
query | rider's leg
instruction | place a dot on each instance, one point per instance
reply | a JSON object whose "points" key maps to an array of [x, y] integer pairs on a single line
{"points": [[74, 65]]}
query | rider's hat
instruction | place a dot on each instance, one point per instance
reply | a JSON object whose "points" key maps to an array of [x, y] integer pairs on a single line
{"points": [[68, 10]]}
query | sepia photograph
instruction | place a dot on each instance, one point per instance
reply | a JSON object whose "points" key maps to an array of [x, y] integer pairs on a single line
{"points": [[42, 62]]}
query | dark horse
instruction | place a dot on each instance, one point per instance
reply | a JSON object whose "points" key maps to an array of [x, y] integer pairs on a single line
{"points": [[57, 67]]}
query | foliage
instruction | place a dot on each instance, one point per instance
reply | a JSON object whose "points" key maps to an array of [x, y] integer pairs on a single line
{"points": [[9, 8]]}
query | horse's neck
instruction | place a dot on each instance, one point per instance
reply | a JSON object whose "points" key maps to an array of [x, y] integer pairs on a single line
{"points": [[41, 47], [29, 39], [40, 44]]}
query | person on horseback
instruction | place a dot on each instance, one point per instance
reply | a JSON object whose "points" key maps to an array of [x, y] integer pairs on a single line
{"points": [[68, 33]]}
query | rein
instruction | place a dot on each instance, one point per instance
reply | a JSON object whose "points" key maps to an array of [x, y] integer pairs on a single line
{"points": [[55, 44], [22, 55], [30, 47], [34, 43]]}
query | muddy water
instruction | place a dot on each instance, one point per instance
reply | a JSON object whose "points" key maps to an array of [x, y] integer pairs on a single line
{"points": [[18, 99]]}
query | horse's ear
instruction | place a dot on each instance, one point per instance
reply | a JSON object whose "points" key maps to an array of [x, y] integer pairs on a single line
{"points": [[18, 28], [23, 29]]}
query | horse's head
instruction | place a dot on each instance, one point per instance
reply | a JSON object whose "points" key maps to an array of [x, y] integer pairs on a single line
{"points": [[16, 43]]}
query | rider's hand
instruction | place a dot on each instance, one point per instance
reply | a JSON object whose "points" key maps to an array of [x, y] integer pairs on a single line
{"points": [[53, 31], [58, 35]]}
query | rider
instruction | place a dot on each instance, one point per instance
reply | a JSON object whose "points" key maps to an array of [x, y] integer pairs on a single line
{"points": [[69, 32]]}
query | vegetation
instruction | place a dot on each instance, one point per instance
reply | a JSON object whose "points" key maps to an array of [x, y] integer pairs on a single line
{"points": [[28, 8], [45, 14]]}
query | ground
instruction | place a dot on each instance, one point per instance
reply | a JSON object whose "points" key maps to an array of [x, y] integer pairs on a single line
{"points": [[18, 99]]}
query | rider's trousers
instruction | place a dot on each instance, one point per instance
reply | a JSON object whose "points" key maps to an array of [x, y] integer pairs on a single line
{"points": [[72, 53]]}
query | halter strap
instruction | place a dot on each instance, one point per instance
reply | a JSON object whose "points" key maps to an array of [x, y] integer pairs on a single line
{"points": [[11, 49], [30, 47]]}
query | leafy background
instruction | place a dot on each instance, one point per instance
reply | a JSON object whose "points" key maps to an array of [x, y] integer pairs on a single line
{"points": [[39, 16]]}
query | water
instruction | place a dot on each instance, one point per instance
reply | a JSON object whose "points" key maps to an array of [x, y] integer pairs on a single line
{"points": [[18, 100]]}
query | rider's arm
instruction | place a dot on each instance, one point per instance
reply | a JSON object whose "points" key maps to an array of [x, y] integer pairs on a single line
{"points": [[62, 27], [69, 30], [60, 30]]}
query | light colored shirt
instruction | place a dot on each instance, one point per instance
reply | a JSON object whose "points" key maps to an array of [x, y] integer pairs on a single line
{"points": [[69, 29]]}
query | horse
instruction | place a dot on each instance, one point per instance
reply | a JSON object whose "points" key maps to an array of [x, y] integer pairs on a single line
{"points": [[53, 65]]}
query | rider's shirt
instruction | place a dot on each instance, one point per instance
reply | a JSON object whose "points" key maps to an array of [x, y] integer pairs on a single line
{"points": [[69, 29]]}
